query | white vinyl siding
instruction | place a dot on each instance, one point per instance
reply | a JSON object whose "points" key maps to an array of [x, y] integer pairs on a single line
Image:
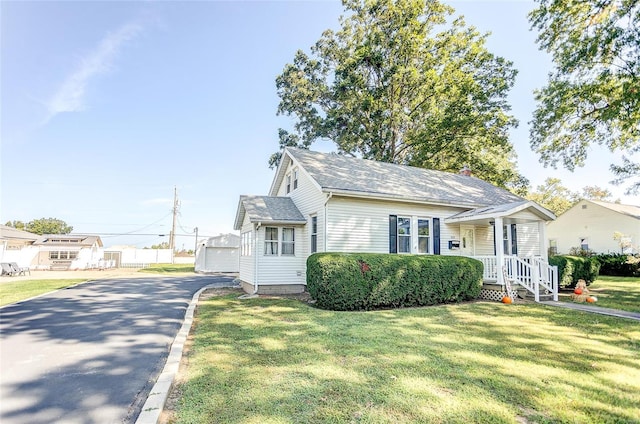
{"points": [[361, 225], [248, 263], [595, 223], [484, 240], [528, 239], [281, 269]]}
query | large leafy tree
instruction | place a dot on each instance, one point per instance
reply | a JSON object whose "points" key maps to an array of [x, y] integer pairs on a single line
{"points": [[553, 196], [593, 96], [48, 226], [596, 193], [402, 82], [18, 225]]}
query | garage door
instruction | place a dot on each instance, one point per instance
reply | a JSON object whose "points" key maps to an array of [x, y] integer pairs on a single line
{"points": [[219, 259]]}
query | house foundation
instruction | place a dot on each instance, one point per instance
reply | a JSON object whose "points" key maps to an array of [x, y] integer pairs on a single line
{"points": [[273, 289]]}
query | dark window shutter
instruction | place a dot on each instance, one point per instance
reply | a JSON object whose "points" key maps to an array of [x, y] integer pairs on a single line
{"points": [[393, 234], [436, 236], [514, 240]]}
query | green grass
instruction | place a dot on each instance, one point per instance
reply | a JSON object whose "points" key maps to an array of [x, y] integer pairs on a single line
{"points": [[168, 268], [614, 292], [20, 290], [282, 361]]}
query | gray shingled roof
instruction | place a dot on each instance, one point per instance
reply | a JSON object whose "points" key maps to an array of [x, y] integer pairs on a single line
{"points": [[504, 209], [269, 209], [345, 174], [630, 210]]}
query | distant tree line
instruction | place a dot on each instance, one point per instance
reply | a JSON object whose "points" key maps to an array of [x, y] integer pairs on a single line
{"points": [[558, 198], [42, 226]]}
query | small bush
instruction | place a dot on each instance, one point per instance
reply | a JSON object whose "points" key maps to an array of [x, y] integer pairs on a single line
{"points": [[364, 281], [574, 268], [619, 264]]}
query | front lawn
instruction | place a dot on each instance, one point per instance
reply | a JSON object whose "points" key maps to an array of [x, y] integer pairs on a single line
{"points": [[281, 361], [20, 290], [614, 292], [168, 268]]}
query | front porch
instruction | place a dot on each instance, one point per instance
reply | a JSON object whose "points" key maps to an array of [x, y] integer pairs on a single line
{"points": [[517, 259], [526, 274]]}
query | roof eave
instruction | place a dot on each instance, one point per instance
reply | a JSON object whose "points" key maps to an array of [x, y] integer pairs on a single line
{"points": [[237, 225], [277, 221], [541, 212], [396, 198]]}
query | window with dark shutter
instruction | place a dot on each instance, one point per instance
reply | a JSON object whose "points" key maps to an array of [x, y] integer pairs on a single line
{"points": [[393, 234], [514, 240], [436, 236]]}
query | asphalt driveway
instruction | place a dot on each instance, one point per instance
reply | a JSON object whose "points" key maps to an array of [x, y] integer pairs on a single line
{"points": [[90, 353]]}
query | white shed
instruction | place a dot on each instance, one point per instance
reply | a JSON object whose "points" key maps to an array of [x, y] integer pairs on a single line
{"points": [[219, 254]]}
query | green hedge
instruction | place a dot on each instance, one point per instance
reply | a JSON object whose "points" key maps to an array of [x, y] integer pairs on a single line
{"points": [[619, 264], [573, 268], [364, 281]]}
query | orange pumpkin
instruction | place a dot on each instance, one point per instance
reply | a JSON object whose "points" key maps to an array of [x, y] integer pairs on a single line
{"points": [[507, 300], [578, 291], [592, 299]]}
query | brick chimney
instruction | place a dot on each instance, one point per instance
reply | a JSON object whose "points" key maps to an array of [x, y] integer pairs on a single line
{"points": [[466, 171]]}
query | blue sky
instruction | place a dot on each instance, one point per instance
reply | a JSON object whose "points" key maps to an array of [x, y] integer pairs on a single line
{"points": [[106, 106]]}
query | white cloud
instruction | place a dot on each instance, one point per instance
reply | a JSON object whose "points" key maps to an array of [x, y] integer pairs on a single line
{"points": [[70, 97]]}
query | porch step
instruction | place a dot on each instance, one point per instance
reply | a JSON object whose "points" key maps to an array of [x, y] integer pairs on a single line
{"points": [[542, 296]]}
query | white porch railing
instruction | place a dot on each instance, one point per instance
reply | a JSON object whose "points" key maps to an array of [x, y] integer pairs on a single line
{"points": [[532, 273]]}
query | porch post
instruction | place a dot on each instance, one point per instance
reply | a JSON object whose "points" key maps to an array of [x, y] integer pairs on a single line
{"points": [[542, 240], [499, 248]]}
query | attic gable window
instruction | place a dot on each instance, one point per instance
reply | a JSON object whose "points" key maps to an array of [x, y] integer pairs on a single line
{"points": [[292, 177]]}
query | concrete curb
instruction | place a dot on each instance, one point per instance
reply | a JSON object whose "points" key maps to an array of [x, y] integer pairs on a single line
{"points": [[153, 407]]}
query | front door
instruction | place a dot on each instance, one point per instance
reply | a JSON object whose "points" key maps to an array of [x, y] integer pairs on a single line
{"points": [[468, 244]]}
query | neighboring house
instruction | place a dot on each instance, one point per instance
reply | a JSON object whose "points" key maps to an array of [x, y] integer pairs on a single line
{"points": [[325, 202], [17, 246], [219, 254], [591, 225], [68, 251]]}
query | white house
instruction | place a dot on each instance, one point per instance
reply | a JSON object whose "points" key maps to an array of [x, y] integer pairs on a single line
{"points": [[591, 225], [68, 251], [325, 202], [219, 254], [17, 246]]}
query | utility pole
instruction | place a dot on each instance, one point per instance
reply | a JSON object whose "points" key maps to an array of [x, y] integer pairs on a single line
{"points": [[172, 235], [195, 230]]}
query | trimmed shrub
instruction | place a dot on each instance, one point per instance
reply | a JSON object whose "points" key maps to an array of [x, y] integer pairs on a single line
{"points": [[619, 264], [574, 268], [364, 281]]}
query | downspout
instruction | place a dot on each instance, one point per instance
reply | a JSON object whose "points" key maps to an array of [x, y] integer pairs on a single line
{"points": [[255, 262], [326, 208]]}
